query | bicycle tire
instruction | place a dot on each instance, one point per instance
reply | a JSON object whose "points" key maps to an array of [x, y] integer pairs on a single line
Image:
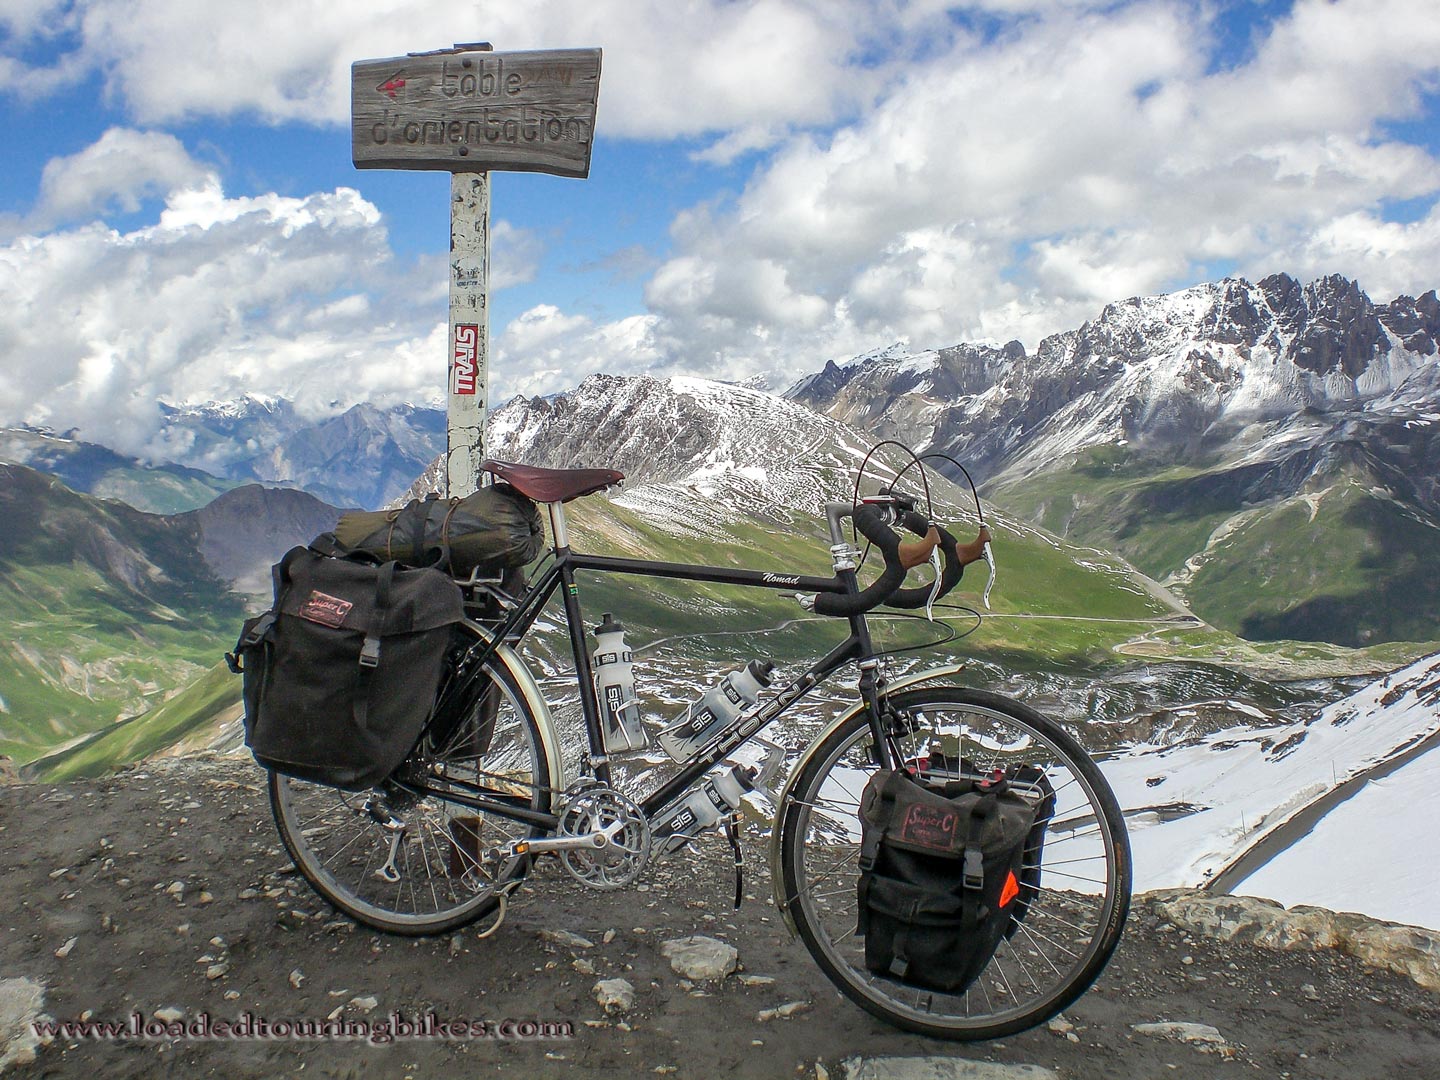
{"points": [[342, 847], [1071, 927]]}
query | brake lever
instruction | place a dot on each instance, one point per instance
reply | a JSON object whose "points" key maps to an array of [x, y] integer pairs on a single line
{"points": [[934, 585], [990, 581]]}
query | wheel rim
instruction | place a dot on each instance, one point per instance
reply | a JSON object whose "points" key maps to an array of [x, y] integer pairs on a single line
{"points": [[1071, 926], [430, 878]]}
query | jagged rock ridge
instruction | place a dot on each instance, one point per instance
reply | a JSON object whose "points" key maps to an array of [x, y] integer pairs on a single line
{"points": [[1163, 372]]}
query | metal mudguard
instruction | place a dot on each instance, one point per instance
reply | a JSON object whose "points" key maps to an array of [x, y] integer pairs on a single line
{"points": [[529, 689]]}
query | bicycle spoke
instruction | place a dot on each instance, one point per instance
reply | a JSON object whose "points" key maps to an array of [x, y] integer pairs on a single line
{"points": [[1060, 941], [341, 850]]}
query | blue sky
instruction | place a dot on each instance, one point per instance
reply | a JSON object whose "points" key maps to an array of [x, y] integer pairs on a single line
{"points": [[775, 183]]}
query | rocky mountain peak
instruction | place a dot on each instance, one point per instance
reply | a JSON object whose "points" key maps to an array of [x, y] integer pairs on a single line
{"points": [[1159, 371], [245, 530]]}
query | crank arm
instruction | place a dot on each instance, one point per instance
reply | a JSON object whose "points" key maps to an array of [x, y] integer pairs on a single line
{"points": [[600, 838]]}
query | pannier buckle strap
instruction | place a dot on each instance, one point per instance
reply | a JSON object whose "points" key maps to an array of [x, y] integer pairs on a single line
{"points": [[258, 631], [370, 652], [973, 869]]}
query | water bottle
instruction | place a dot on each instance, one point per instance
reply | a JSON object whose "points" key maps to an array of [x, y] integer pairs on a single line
{"points": [[615, 690], [721, 704], [718, 794]]}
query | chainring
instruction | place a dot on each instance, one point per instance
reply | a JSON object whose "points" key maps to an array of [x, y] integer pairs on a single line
{"points": [[623, 859]]}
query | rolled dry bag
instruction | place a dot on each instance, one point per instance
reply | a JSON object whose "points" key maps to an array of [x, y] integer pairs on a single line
{"points": [[491, 531]]}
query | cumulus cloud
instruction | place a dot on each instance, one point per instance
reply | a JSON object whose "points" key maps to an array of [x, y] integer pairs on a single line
{"points": [[1013, 184], [670, 68], [515, 255], [221, 296], [116, 172], [921, 171], [1389, 257], [545, 350]]}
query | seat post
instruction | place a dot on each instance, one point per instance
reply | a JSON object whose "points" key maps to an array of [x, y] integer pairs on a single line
{"points": [[557, 525]]}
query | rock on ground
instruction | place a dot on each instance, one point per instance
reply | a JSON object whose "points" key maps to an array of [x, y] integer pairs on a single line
{"points": [[703, 959], [20, 1003], [940, 1068], [1405, 950]]}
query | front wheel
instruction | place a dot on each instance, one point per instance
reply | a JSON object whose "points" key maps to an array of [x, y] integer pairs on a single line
{"points": [[1071, 926], [403, 859]]}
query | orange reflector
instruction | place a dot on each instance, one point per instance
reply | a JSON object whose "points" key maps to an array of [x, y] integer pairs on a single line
{"points": [[1010, 890]]}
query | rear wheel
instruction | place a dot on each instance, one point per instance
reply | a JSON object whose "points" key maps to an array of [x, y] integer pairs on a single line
{"points": [[407, 862], [1071, 926]]}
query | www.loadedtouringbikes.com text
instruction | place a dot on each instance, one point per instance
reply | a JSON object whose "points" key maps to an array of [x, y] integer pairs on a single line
{"points": [[379, 1032]]}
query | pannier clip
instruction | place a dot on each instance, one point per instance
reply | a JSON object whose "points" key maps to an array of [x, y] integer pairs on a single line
{"points": [[370, 652], [973, 869]]}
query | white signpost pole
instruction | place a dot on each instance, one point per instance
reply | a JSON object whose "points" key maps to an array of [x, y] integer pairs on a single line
{"points": [[469, 111], [469, 331]]}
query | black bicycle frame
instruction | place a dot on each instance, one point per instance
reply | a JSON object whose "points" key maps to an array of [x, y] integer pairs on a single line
{"points": [[561, 575]]}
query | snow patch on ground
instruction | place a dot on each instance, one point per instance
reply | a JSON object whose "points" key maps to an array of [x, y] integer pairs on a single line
{"points": [[1373, 853]]}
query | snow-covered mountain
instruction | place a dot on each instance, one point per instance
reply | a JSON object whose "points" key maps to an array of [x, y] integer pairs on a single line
{"points": [[691, 449], [706, 436], [364, 456], [1175, 373], [1269, 451]]}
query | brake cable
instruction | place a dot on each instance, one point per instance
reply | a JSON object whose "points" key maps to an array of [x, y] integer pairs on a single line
{"points": [[988, 554]]}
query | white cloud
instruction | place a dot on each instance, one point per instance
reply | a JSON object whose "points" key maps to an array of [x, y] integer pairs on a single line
{"points": [[221, 296], [670, 68], [1388, 257], [27, 19], [545, 350], [1011, 186], [117, 171], [916, 176], [514, 255]]}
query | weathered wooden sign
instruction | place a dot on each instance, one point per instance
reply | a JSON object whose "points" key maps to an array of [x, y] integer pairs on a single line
{"points": [[469, 111], [476, 111]]}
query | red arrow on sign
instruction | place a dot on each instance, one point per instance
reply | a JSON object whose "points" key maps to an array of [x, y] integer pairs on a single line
{"points": [[392, 84]]}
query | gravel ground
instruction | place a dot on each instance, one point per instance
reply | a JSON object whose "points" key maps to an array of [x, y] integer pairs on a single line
{"points": [[91, 914]]}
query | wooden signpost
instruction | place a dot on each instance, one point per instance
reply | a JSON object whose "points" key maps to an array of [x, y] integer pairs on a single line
{"points": [[470, 111]]}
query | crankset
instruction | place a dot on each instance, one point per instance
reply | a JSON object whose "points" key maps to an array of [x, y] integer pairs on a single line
{"points": [[603, 839]]}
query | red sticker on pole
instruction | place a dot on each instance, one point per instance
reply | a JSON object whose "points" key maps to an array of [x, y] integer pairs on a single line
{"points": [[464, 366]]}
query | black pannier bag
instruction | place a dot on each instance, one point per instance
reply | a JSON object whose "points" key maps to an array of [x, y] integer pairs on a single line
{"points": [[945, 875], [494, 530], [341, 673]]}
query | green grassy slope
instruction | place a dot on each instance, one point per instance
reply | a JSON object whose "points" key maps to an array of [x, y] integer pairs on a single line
{"points": [[1349, 566], [1339, 562], [208, 703], [106, 610]]}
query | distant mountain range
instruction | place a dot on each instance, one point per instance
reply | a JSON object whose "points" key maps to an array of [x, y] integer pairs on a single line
{"points": [[163, 488], [363, 457], [1269, 451]]}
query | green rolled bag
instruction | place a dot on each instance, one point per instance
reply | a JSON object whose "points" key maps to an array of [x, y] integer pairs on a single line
{"points": [[494, 530]]}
